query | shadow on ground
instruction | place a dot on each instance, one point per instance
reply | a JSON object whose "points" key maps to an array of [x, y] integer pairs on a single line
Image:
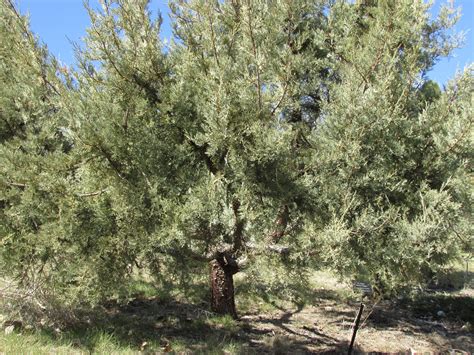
{"points": [[318, 322], [151, 325]]}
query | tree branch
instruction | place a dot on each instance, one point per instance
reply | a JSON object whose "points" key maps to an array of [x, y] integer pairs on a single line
{"points": [[33, 43], [239, 227], [202, 152], [254, 50], [17, 184], [281, 224], [95, 193]]}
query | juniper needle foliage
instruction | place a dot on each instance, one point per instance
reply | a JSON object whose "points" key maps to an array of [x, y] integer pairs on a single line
{"points": [[300, 133]]}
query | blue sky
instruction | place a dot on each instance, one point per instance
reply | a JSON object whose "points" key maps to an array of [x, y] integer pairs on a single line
{"points": [[57, 22]]}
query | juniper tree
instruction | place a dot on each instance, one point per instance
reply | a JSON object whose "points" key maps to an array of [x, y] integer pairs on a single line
{"points": [[193, 151], [277, 132], [126, 147], [244, 69], [33, 147], [393, 171]]}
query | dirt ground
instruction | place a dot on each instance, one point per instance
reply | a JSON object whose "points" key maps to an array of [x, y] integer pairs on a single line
{"points": [[386, 328], [325, 327], [436, 322]]}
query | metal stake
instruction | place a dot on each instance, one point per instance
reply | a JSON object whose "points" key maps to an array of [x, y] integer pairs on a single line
{"points": [[356, 326]]}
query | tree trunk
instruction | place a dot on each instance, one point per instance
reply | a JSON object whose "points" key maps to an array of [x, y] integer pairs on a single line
{"points": [[222, 269]]}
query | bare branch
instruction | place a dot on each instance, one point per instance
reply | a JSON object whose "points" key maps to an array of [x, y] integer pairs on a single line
{"points": [[17, 184]]}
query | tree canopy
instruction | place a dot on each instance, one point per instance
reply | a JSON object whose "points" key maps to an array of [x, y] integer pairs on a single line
{"points": [[285, 135]]}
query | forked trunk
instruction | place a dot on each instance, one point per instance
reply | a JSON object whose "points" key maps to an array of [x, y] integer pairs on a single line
{"points": [[222, 268]]}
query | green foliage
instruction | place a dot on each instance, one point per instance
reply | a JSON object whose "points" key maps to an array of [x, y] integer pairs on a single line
{"points": [[34, 144], [394, 150], [308, 125]]}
